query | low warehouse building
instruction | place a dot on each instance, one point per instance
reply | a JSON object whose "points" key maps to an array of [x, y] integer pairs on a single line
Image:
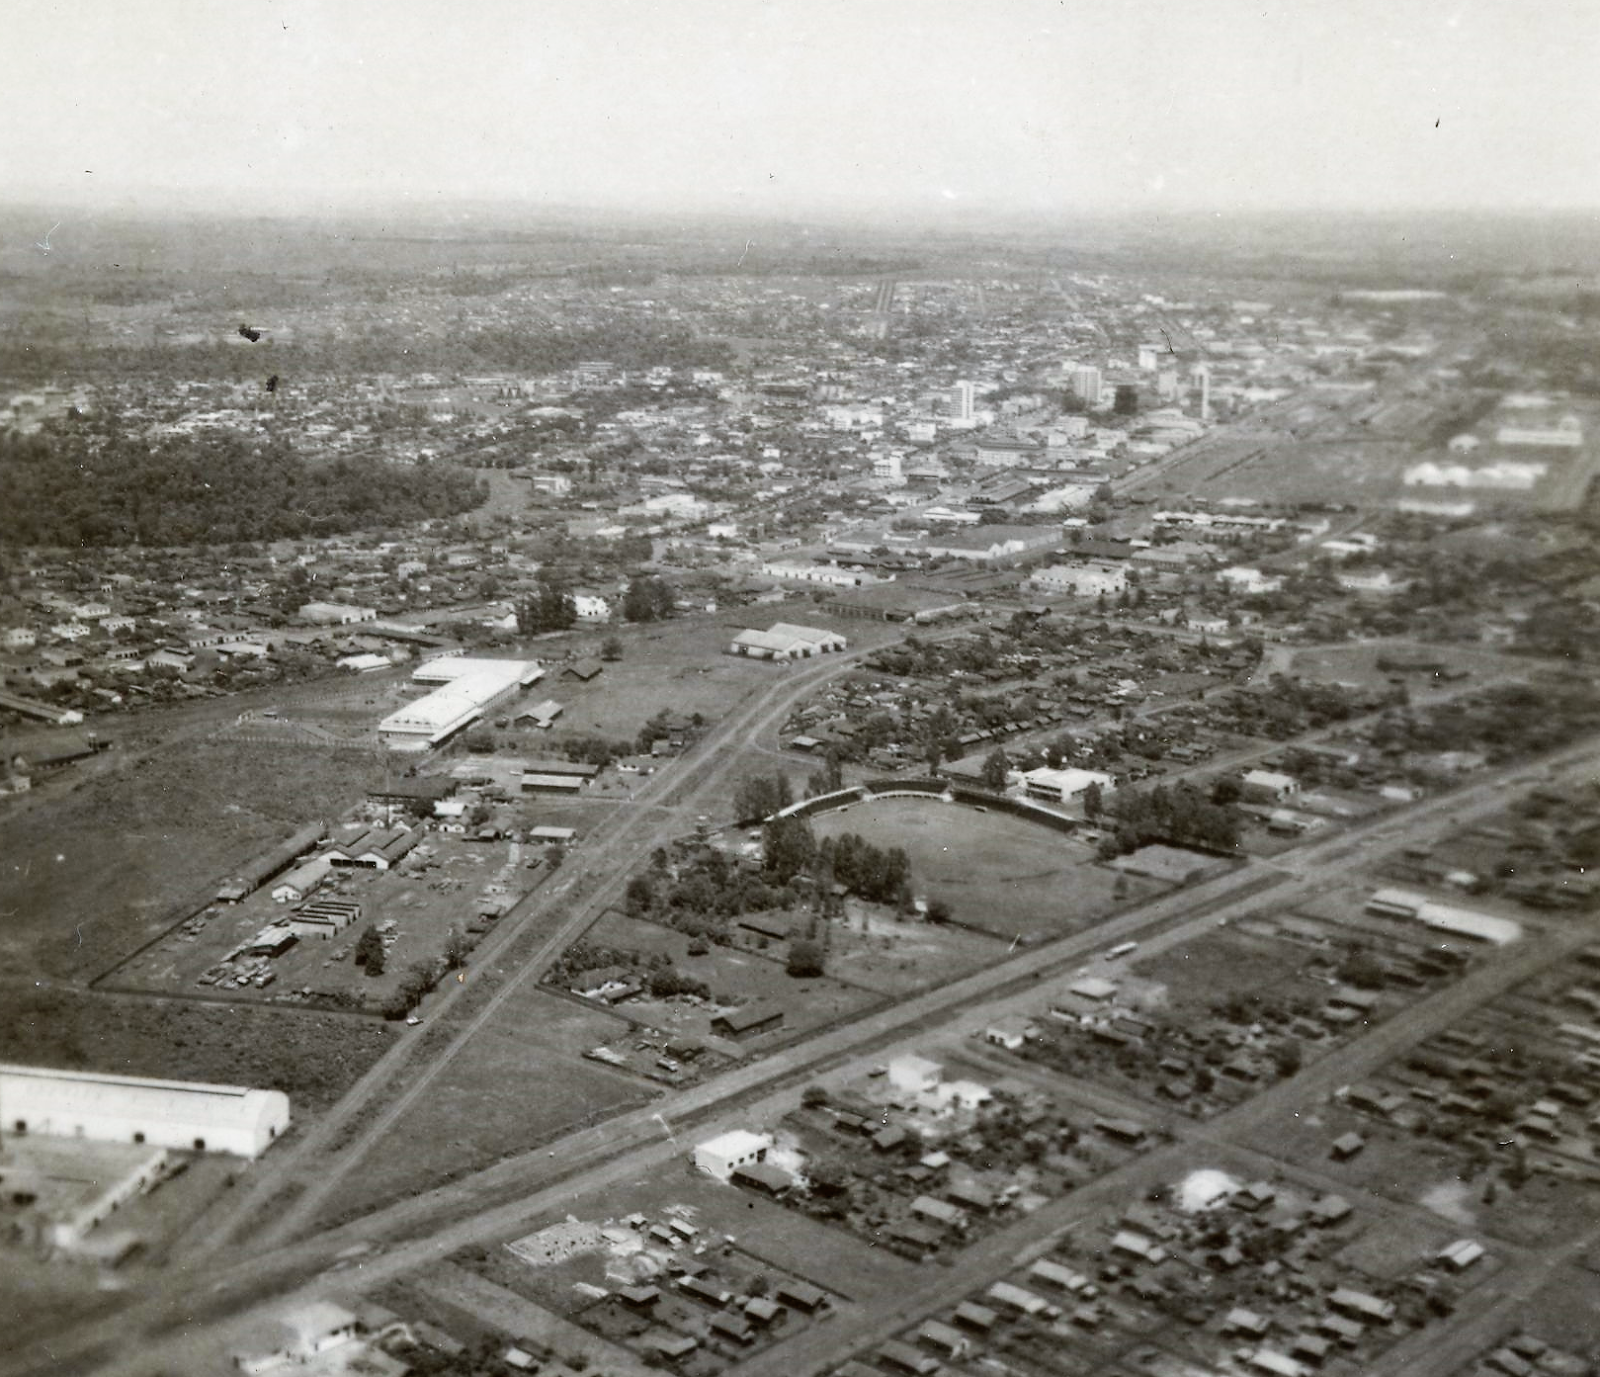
{"points": [[469, 688], [748, 1022], [191, 1115], [257, 872], [782, 642], [377, 848], [302, 881]]}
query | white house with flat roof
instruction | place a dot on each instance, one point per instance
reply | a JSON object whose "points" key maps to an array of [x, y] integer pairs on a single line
{"points": [[725, 1154], [914, 1075], [1063, 786]]}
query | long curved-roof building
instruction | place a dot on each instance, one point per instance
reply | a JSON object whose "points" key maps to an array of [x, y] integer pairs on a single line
{"points": [[189, 1115]]}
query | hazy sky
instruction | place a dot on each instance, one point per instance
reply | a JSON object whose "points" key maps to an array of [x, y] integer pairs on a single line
{"points": [[787, 104]]}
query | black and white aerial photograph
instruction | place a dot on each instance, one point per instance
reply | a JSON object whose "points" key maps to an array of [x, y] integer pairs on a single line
{"points": [[800, 688]]}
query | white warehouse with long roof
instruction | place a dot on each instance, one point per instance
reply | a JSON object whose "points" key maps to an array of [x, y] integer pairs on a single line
{"points": [[468, 689], [190, 1115]]}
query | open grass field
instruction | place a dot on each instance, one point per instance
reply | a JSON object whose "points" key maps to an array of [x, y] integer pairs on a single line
{"points": [[521, 1081], [1391, 1248], [872, 949], [89, 875], [1006, 876], [1563, 1312], [315, 1057], [1219, 964], [1358, 664], [39, 1296]]}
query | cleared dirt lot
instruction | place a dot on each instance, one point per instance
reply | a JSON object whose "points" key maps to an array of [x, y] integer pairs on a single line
{"points": [[682, 666], [871, 949]]}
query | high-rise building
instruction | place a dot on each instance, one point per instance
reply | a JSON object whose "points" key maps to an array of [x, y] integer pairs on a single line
{"points": [[963, 400], [1086, 384], [1200, 375]]}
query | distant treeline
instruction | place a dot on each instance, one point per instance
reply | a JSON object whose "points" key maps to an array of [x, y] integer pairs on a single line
{"points": [[529, 351], [55, 491]]}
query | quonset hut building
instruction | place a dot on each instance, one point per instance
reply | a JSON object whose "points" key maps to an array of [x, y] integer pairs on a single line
{"points": [[189, 1115]]}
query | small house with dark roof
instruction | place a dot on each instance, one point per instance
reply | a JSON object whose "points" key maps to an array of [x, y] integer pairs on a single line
{"points": [[764, 1177], [801, 1296], [747, 1022]]}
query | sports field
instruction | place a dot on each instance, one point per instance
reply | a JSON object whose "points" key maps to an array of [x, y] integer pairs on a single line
{"points": [[999, 873]]}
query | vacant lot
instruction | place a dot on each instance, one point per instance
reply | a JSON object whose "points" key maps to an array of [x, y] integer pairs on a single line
{"points": [[315, 1057], [1221, 964], [1007, 876], [681, 666], [1358, 664], [521, 1081], [872, 949], [89, 876]]}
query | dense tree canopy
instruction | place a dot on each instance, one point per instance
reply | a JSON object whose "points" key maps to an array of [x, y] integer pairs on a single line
{"points": [[58, 490], [551, 608], [648, 599]]}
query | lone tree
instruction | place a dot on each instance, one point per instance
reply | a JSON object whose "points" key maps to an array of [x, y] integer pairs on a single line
{"points": [[995, 769], [611, 648], [369, 951], [805, 959], [1093, 800]]}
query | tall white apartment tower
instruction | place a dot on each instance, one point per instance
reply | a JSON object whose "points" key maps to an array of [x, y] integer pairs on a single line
{"points": [[1200, 375], [1086, 384], [963, 391]]}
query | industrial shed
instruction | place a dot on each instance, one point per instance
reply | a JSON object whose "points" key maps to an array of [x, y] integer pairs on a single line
{"points": [[378, 848], [251, 876], [189, 1115], [468, 689], [302, 880], [783, 641]]}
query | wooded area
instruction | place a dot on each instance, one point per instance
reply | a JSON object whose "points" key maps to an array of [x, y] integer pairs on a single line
{"points": [[61, 490]]}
